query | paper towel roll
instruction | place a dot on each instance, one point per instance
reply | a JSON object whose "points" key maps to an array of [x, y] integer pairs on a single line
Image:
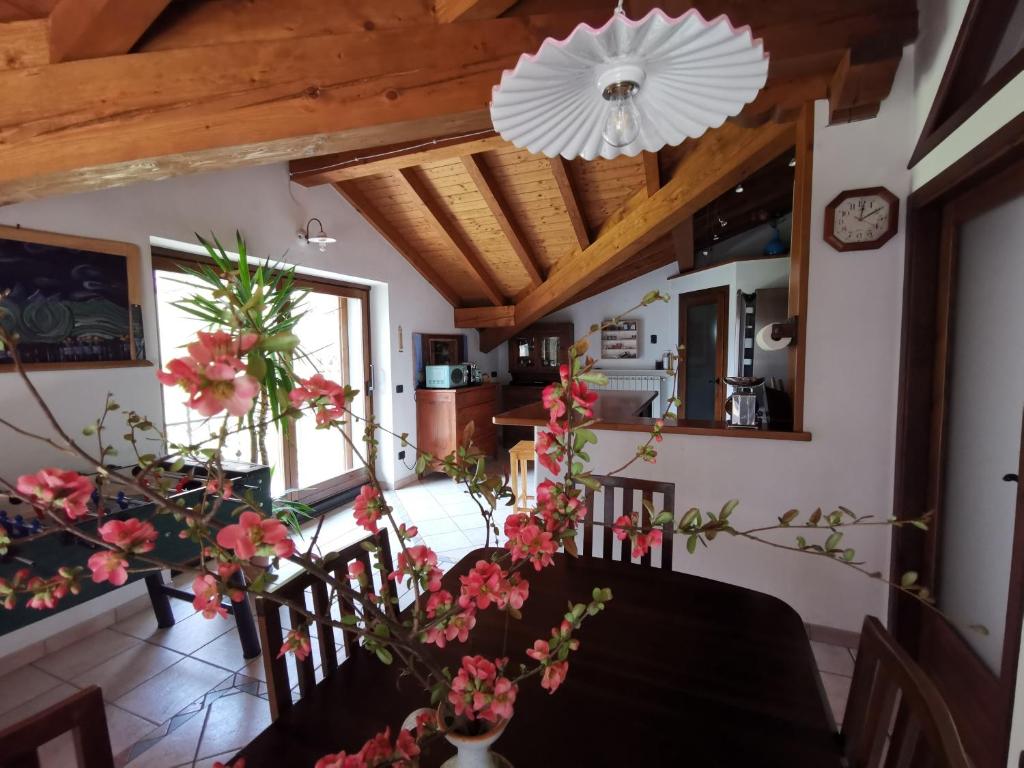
{"points": [[767, 343]]}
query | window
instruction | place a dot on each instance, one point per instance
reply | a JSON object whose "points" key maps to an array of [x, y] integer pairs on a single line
{"points": [[308, 464]]}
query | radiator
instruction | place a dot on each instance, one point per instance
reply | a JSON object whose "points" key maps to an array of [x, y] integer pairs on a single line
{"points": [[641, 381]]}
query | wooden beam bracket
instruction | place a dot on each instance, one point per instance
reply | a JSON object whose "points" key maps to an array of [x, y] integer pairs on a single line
{"points": [[485, 317]]}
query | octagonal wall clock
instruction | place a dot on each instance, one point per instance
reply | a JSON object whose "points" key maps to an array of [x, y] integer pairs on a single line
{"points": [[861, 219]]}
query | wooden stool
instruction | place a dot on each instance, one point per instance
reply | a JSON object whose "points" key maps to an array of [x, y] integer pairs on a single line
{"points": [[520, 455]]}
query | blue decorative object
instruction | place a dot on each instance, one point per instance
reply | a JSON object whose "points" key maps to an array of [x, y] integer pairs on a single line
{"points": [[775, 246]]}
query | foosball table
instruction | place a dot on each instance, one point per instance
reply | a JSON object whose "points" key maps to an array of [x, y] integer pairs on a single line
{"points": [[43, 548]]}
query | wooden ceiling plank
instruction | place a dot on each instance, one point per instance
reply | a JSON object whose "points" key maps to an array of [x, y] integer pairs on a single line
{"points": [[563, 181], [485, 317], [197, 24], [24, 43], [91, 29], [389, 232], [721, 158], [423, 200], [489, 190], [447, 11], [345, 166]]}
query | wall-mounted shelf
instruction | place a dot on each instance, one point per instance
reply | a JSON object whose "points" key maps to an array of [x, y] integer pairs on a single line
{"points": [[621, 341]]}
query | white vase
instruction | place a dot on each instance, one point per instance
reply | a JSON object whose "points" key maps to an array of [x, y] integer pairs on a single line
{"points": [[473, 751]]}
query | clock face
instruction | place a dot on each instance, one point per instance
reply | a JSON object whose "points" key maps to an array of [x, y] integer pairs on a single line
{"points": [[861, 219]]}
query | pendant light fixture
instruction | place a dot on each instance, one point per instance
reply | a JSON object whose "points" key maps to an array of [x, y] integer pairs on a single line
{"points": [[630, 86]]}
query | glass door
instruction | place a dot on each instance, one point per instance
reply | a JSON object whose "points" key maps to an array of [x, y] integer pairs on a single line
{"points": [[308, 464], [335, 342], [703, 328]]}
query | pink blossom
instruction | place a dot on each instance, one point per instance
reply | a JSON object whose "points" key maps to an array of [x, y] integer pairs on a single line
{"points": [[356, 570], [297, 642], [583, 398], [378, 751], [369, 506], [215, 486], [456, 626], [540, 651], [623, 526], [480, 691], [328, 397], [212, 374], [489, 583], [531, 543], [239, 763], [644, 541], [419, 563], [131, 535], [108, 566], [552, 400], [58, 489], [207, 596], [554, 675], [254, 535], [549, 452]]}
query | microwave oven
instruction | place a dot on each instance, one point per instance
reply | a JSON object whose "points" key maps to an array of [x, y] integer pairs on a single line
{"points": [[448, 376]]}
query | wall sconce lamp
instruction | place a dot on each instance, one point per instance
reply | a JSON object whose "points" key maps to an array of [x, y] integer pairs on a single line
{"points": [[321, 239]]}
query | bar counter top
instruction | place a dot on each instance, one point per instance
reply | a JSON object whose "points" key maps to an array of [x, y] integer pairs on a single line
{"points": [[619, 411]]}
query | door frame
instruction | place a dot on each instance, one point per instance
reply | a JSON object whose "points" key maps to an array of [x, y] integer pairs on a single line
{"points": [[981, 179], [721, 295]]}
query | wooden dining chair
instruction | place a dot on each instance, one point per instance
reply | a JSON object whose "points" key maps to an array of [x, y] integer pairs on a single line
{"points": [[307, 590], [620, 499], [83, 714], [895, 716]]}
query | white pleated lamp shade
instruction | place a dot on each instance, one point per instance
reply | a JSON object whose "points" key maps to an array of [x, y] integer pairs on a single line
{"points": [[692, 73]]}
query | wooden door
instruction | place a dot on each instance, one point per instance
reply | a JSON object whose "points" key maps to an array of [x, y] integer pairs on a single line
{"points": [[971, 442], [703, 331]]}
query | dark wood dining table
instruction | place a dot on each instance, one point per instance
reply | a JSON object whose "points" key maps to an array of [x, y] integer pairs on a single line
{"points": [[677, 671]]}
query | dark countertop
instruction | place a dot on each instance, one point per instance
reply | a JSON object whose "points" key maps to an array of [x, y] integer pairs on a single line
{"points": [[617, 411]]}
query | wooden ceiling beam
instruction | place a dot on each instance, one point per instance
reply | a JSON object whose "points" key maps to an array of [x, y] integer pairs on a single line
{"points": [[684, 245], [344, 166], [447, 11], [385, 229], [90, 29], [431, 209], [862, 80], [561, 171], [718, 161], [485, 317], [308, 90], [652, 172], [488, 188], [657, 255], [120, 119]]}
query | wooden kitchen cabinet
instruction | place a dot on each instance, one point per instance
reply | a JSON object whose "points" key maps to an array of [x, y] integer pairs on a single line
{"points": [[442, 416]]}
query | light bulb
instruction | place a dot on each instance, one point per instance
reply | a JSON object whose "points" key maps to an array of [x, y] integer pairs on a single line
{"points": [[622, 118]]}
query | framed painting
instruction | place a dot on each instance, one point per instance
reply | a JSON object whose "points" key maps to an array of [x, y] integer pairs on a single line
{"points": [[72, 302]]}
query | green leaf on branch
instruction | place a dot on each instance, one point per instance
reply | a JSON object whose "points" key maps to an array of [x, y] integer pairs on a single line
{"points": [[908, 579], [727, 509], [384, 655], [691, 543], [833, 541], [789, 517]]}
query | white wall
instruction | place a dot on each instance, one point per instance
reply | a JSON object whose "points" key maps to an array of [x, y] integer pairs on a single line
{"points": [[257, 202], [853, 332]]}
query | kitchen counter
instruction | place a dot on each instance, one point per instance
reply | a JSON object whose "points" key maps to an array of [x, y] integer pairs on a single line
{"points": [[620, 411]]}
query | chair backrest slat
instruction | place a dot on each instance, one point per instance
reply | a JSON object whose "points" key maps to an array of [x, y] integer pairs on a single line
{"points": [[895, 716], [628, 487], [325, 602], [83, 713]]}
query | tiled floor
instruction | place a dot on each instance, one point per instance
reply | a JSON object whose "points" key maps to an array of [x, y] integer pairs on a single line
{"points": [[184, 696]]}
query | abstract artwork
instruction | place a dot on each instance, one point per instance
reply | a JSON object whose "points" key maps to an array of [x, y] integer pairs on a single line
{"points": [[68, 300]]}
